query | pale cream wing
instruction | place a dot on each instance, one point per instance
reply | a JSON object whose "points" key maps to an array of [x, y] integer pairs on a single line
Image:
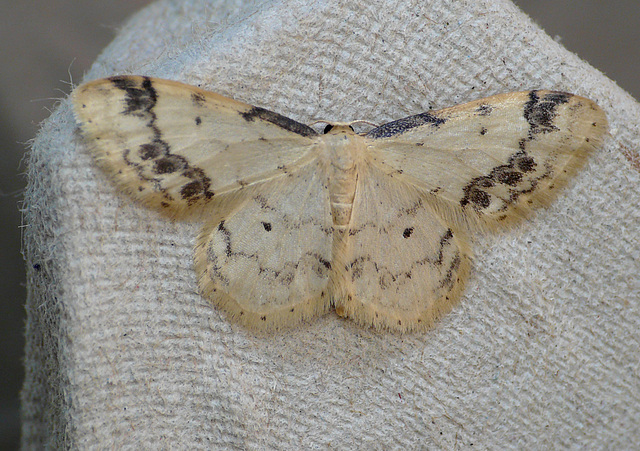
{"points": [[404, 265], [177, 148], [267, 262], [495, 158]]}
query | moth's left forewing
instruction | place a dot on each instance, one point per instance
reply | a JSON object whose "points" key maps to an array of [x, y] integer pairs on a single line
{"points": [[494, 159]]}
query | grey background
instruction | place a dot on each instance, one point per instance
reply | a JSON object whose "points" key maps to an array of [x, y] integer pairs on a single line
{"points": [[45, 44]]}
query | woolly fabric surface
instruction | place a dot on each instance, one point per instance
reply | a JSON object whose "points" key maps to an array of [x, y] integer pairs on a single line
{"points": [[541, 351]]}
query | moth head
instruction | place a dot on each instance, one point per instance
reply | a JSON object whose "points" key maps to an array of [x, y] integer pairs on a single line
{"points": [[337, 128]]}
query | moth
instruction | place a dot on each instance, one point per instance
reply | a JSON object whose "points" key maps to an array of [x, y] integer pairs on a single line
{"points": [[298, 222]]}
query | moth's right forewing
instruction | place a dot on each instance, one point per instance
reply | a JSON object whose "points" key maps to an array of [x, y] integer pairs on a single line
{"points": [[177, 148]]}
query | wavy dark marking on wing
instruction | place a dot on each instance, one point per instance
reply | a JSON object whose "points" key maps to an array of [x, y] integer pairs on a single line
{"points": [[325, 263], [284, 276], [215, 267], [386, 277], [448, 280], [402, 125], [511, 175], [540, 113], [444, 240], [279, 120], [141, 100], [215, 270], [227, 238]]}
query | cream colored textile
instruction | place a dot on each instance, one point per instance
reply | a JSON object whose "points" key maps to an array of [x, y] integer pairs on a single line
{"points": [[541, 352]]}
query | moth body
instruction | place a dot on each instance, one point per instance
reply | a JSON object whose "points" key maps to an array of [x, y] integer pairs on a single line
{"points": [[341, 150]]}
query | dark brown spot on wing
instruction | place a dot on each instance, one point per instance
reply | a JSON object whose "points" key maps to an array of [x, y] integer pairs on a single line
{"points": [[507, 175], [197, 98], [152, 150], [522, 161], [170, 164], [484, 110]]}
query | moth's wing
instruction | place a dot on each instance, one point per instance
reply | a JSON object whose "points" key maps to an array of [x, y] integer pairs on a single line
{"points": [[177, 148], [267, 263], [495, 158], [404, 265]]}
